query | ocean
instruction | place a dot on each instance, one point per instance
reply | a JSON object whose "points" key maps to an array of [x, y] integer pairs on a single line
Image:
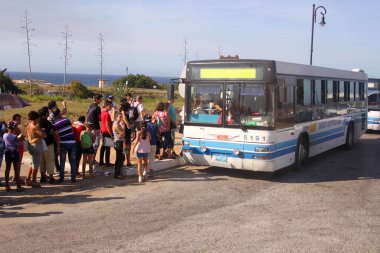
{"points": [[86, 79]]}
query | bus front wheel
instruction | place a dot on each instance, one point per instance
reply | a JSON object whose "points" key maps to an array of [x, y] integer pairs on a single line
{"points": [[349, 137], [302, 153]]}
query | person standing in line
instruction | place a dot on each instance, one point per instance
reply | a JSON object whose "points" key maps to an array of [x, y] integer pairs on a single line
{"points": [[162, 119], [17, 131], [154, 134], [113, 109], [142, 148], [11, 155], [124, 108], [2, 147], [140, 109], [129, 99], [78, 127], [52, 105], [47, 156], [86, 141], [173, 119], [118, 129], [67, 145], [106, 130], [93, 117], [35, 135]]}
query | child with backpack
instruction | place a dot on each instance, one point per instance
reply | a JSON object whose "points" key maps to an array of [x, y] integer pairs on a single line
{"points": [[86, 140]]}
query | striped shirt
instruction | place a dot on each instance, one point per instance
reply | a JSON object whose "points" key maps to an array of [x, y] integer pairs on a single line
{"points": [[65, 130]]}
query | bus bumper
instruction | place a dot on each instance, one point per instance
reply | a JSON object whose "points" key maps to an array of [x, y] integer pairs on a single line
{"points": [[230, 162]]}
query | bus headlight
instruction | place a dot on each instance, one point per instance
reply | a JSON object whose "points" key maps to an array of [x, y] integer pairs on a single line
{"points": [[236, 151], [186, 143], [262, 149], [203, 149]]}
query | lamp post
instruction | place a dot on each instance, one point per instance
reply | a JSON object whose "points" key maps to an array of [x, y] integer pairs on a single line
{"points": [[314, 20]]}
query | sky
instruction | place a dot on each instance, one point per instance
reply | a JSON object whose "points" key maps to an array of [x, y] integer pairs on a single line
{"points": [[148, 36]]}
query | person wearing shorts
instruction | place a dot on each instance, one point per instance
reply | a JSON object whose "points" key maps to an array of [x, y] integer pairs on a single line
{"points": [[47, 157], [35, 135], [142, 148]]}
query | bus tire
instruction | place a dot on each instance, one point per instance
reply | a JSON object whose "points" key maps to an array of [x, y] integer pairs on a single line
{"points": [[349, 137], [302, 153]]}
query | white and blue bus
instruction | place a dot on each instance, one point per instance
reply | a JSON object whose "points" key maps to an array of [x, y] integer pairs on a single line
{"points": [[374, 111], [264, 115]]}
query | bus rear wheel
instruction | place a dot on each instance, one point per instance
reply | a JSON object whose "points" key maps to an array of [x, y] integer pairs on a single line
{"points": [[302, 153]]}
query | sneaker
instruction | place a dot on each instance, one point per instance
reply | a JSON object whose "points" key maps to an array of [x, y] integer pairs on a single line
{"points": [[35, 185], [73, 180], [43, 180], [140, 179], [106, 173], [129, 164], [94, 162], [52, 181], [109, 164], [119, 177], [144, 175]]}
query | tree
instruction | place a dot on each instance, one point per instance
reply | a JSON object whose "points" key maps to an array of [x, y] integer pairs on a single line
{"points": [[135, 81], [77, 89], [7, 85]]}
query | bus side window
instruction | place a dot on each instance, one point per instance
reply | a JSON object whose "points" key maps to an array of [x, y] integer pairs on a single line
{"points": [[285, 103]]}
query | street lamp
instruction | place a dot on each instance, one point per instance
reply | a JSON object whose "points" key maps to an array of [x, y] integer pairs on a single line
{"points": [[314, 20]]}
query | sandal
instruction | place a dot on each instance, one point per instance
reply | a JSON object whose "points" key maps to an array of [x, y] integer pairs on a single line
{"points": [[28, 182]]}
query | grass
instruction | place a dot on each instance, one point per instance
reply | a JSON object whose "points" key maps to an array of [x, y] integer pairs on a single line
{"points": [[77, 107]]}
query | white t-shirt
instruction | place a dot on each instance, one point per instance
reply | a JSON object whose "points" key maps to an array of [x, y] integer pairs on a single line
{"points": [[140, 108]]}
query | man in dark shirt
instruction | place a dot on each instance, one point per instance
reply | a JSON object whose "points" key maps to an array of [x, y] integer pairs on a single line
{"points": [[47, 158], [93, 118]]}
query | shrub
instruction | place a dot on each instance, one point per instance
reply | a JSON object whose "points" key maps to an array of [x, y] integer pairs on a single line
{"points": [[36, 89], [77, 89]]}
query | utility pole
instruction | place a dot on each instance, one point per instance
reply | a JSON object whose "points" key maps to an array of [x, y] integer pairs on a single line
{"points": [[101, 54], [66, 55], [26, 26], [185, 51]]}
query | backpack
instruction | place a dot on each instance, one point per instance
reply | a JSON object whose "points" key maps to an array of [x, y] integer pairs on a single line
{"points": [[134, 112], [86, 140]]}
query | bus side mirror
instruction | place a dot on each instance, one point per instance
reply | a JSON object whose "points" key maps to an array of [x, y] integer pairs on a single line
{"points": [[282, 94]]}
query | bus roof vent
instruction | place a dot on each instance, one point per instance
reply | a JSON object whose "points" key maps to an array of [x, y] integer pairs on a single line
{"points": [[358, 70], [229, 57]]}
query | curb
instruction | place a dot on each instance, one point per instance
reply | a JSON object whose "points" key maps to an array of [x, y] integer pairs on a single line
{"points": [[157, 165]]}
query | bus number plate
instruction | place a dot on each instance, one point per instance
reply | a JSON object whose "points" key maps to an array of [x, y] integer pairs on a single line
{"points": [[219, 158]]}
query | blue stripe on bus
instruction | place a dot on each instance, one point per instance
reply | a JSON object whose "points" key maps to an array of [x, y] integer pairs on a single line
{"points": [[374, 122], [247, 150]]}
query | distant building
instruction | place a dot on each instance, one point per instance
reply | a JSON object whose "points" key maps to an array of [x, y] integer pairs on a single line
{"points": [[102, 83], [373, 84]]}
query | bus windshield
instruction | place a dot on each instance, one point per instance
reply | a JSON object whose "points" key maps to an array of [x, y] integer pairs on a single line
{"points": [[239, 104]]}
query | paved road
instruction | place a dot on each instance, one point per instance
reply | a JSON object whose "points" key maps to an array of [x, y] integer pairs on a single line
{"points": [[332, 205]]}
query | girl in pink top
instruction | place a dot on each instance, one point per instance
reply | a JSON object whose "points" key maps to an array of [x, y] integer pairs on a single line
{"points": [[142, 148]]}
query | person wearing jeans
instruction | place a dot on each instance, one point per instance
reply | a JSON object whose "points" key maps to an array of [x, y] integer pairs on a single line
{"points": [[106, 129], [118, 133], [67, 148], [67, 145]]}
